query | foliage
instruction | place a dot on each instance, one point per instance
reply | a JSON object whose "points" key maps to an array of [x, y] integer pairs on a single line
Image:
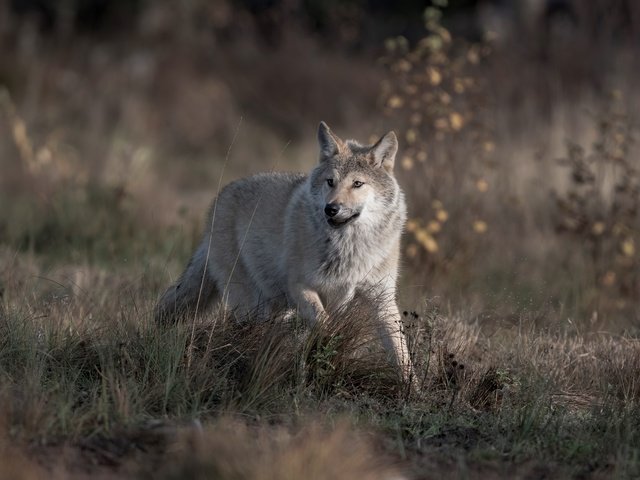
{"points": [[436, 96], [600, 210]]}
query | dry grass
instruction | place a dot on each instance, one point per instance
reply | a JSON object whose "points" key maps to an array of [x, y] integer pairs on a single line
{"points": [[90, 379], [520, 277], [230, 449]]}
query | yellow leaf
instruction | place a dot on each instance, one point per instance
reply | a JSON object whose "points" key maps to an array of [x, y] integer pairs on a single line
{"points": [[489, 146], [628, 247], [456, 120], [395, 101], [473, 56], [435, 77], [412, 225], [442, 215], [480, 226], [407, 163], [390, 44], [445, 35], [598, 228], [427, 241], [434, 226], [411, 135], [403, 65], [482, 185]]}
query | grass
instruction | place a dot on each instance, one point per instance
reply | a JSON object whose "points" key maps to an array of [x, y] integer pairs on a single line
{"points": [[85, 370], [519, 273]]}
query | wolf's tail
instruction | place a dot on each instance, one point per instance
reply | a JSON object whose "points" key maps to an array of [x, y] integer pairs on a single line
{"points": [[191, 294]]}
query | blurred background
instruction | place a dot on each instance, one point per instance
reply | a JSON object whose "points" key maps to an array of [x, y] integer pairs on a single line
{"points": [[517, 122]]}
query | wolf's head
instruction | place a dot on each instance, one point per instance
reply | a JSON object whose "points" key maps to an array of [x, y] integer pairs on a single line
{"points": [[353, 182]]}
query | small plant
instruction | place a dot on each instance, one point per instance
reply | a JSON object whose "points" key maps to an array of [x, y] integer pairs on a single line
{"points": [[419, 334], [436, 96], [323, 360], [600, 209]]}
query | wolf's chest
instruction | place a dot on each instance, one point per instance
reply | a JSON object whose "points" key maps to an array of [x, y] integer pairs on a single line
{"points": [[349, 261]]}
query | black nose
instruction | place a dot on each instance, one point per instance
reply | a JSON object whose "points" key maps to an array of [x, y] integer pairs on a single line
{"points": [[331, 209]]}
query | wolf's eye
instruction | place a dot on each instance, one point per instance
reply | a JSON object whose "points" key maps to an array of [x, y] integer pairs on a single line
{"points": [[357, 184], [330, 182]]}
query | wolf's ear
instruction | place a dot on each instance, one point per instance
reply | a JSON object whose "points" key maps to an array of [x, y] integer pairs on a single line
{"points": [[384, 152], [328, 141]]}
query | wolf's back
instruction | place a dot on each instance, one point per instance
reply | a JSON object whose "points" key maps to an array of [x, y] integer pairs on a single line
{"points": [[243, 236]]}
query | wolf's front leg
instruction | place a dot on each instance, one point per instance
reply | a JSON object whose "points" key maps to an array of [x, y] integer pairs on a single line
{"points": [[394, 341], [390, 330], [308, 303]]}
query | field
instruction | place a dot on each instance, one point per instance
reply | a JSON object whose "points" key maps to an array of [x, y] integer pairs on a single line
{"points": [[521, 266]]}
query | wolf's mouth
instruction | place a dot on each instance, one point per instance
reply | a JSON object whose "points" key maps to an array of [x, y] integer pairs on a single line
{"points": [[341, 223]]}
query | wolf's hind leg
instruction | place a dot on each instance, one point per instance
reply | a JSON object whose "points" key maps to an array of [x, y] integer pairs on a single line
{"points": [[191, 294]]}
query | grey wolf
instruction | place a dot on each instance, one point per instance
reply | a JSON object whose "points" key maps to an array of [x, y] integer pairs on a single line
{"points": [[310, 242]]}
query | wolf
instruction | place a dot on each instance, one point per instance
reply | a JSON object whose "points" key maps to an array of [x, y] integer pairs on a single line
{"points": [[310, 242]]}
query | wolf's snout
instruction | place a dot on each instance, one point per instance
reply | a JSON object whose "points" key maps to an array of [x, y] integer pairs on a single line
{"points": [[331, 209]]}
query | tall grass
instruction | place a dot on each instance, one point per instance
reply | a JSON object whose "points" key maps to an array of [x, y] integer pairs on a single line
{"points": [[519, 275], [509, 396]]}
